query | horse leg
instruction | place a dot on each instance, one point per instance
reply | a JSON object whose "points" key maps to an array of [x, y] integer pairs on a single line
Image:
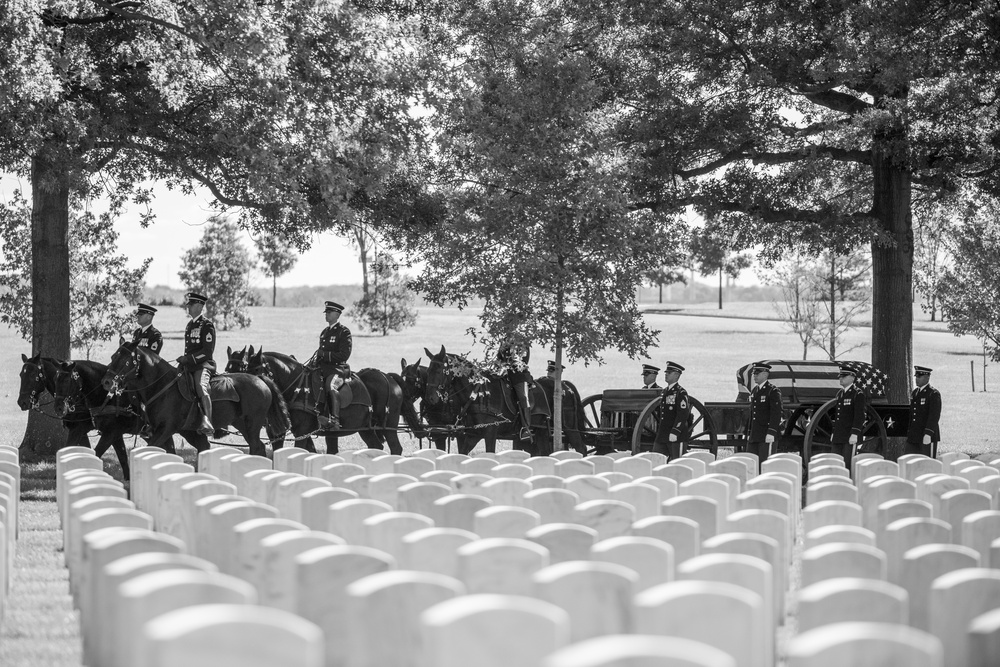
{"points": [[251, 433], [332, 444], [392, 438], [197, 440], [77, 435], [118, 442], [163, 438]]}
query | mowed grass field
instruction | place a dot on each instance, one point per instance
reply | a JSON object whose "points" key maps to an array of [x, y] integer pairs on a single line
{"points": [[42, 629], [711, 348]]}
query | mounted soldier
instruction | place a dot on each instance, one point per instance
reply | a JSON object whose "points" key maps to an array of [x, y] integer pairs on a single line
{"points": [[147, 335], [512, 357], [197, 360], [335, 345]]}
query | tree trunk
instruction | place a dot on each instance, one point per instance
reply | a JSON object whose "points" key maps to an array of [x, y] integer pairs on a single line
{"points": [[661, 292], [833, 306], [557, 397], [50, 334], [892, 274], [720, 287], [359, 234], [274, 291]]}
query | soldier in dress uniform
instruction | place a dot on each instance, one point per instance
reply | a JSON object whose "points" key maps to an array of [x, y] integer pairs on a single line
{"points": [[513, 357], [199, 346], [923, 432], [649, 374], [550, 370], [765, 413], [675, 413], [852, 403], [147, 335], [335, 346]]}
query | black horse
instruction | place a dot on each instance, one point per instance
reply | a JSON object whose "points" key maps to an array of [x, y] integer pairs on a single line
{"points": [[78, 389], [376, 425], [248, 402], [413, 382], [38, 376], [480, 407]]}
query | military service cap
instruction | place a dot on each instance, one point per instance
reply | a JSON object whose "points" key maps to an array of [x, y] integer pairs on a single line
{"points": [[552, 366], [761, 366], [143, 308], [334, 306], [844, 370], [194, 297], [674, 366], [921, 370], [648, 368]]}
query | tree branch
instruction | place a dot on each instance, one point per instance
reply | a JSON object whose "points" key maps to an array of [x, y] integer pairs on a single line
{"points": [[838, 101], [832, 152], [121, 9], [793, 214]]}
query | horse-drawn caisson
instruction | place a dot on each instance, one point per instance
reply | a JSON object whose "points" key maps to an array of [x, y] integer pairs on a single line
{"points": [[628, 418]]}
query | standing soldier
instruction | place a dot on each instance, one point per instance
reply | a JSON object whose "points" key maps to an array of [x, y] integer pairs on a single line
{"points": [[765, 413], [147, 335], [649, 374], [335, 346], [550, 370], [852, 403], [923, 433], [675, 413], [199, 346]]}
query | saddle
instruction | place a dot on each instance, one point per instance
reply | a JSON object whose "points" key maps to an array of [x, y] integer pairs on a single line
{"points": [[302, 395], [220, 388], [537, 404]]}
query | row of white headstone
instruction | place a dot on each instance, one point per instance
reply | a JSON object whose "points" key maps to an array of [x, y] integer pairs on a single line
{"points": [[10, 494], [498, 560]]}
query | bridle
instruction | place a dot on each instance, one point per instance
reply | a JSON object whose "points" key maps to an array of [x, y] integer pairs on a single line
{"points": [[67, 403], [130, 366], [38, 385]]}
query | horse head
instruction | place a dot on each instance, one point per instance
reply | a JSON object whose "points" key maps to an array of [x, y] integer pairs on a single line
{"points": [[124, 367], [436, 378], [32, 382], [257, 364], [238, 361], [68, 391], [414, 380]]}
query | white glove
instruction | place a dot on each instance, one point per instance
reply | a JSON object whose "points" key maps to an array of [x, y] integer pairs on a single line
{"points": [[853, 440], [927, 439], [769, 439], [672, 438]]}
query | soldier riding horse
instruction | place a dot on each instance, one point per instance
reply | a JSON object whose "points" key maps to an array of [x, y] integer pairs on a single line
{"points": [[370, 400]]}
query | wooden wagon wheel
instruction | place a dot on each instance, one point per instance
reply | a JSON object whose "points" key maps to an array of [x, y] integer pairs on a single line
{"points": [[704, 435], [819, 431], [592, 411]]}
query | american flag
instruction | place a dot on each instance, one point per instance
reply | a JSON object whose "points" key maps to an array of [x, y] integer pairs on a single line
{"points": [[812, 381], [865, 375]]}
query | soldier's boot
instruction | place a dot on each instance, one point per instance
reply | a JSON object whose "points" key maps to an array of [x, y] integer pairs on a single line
{"points": [[522, 404], [206, 427], [334, 403]]}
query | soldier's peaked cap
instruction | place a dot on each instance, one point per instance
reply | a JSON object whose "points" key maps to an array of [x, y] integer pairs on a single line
{"points": [[921, 370], [334, 306], [143, 308], [673, 366], [552, 365], [761, 366], [195, 297], [648, 368], [844, 370]]}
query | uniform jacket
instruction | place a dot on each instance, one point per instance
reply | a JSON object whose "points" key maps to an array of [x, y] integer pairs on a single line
{"points": [[851, 405], [765, 412], [675, 413], [925, 411], [652, 386], [199, 344], [150, 338], [335, 346]]}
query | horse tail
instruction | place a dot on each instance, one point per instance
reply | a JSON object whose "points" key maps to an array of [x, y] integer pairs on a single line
{"points": [[277, 412]]}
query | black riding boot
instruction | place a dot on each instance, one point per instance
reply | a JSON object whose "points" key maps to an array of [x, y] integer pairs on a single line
{"points": [[206, 427]]}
